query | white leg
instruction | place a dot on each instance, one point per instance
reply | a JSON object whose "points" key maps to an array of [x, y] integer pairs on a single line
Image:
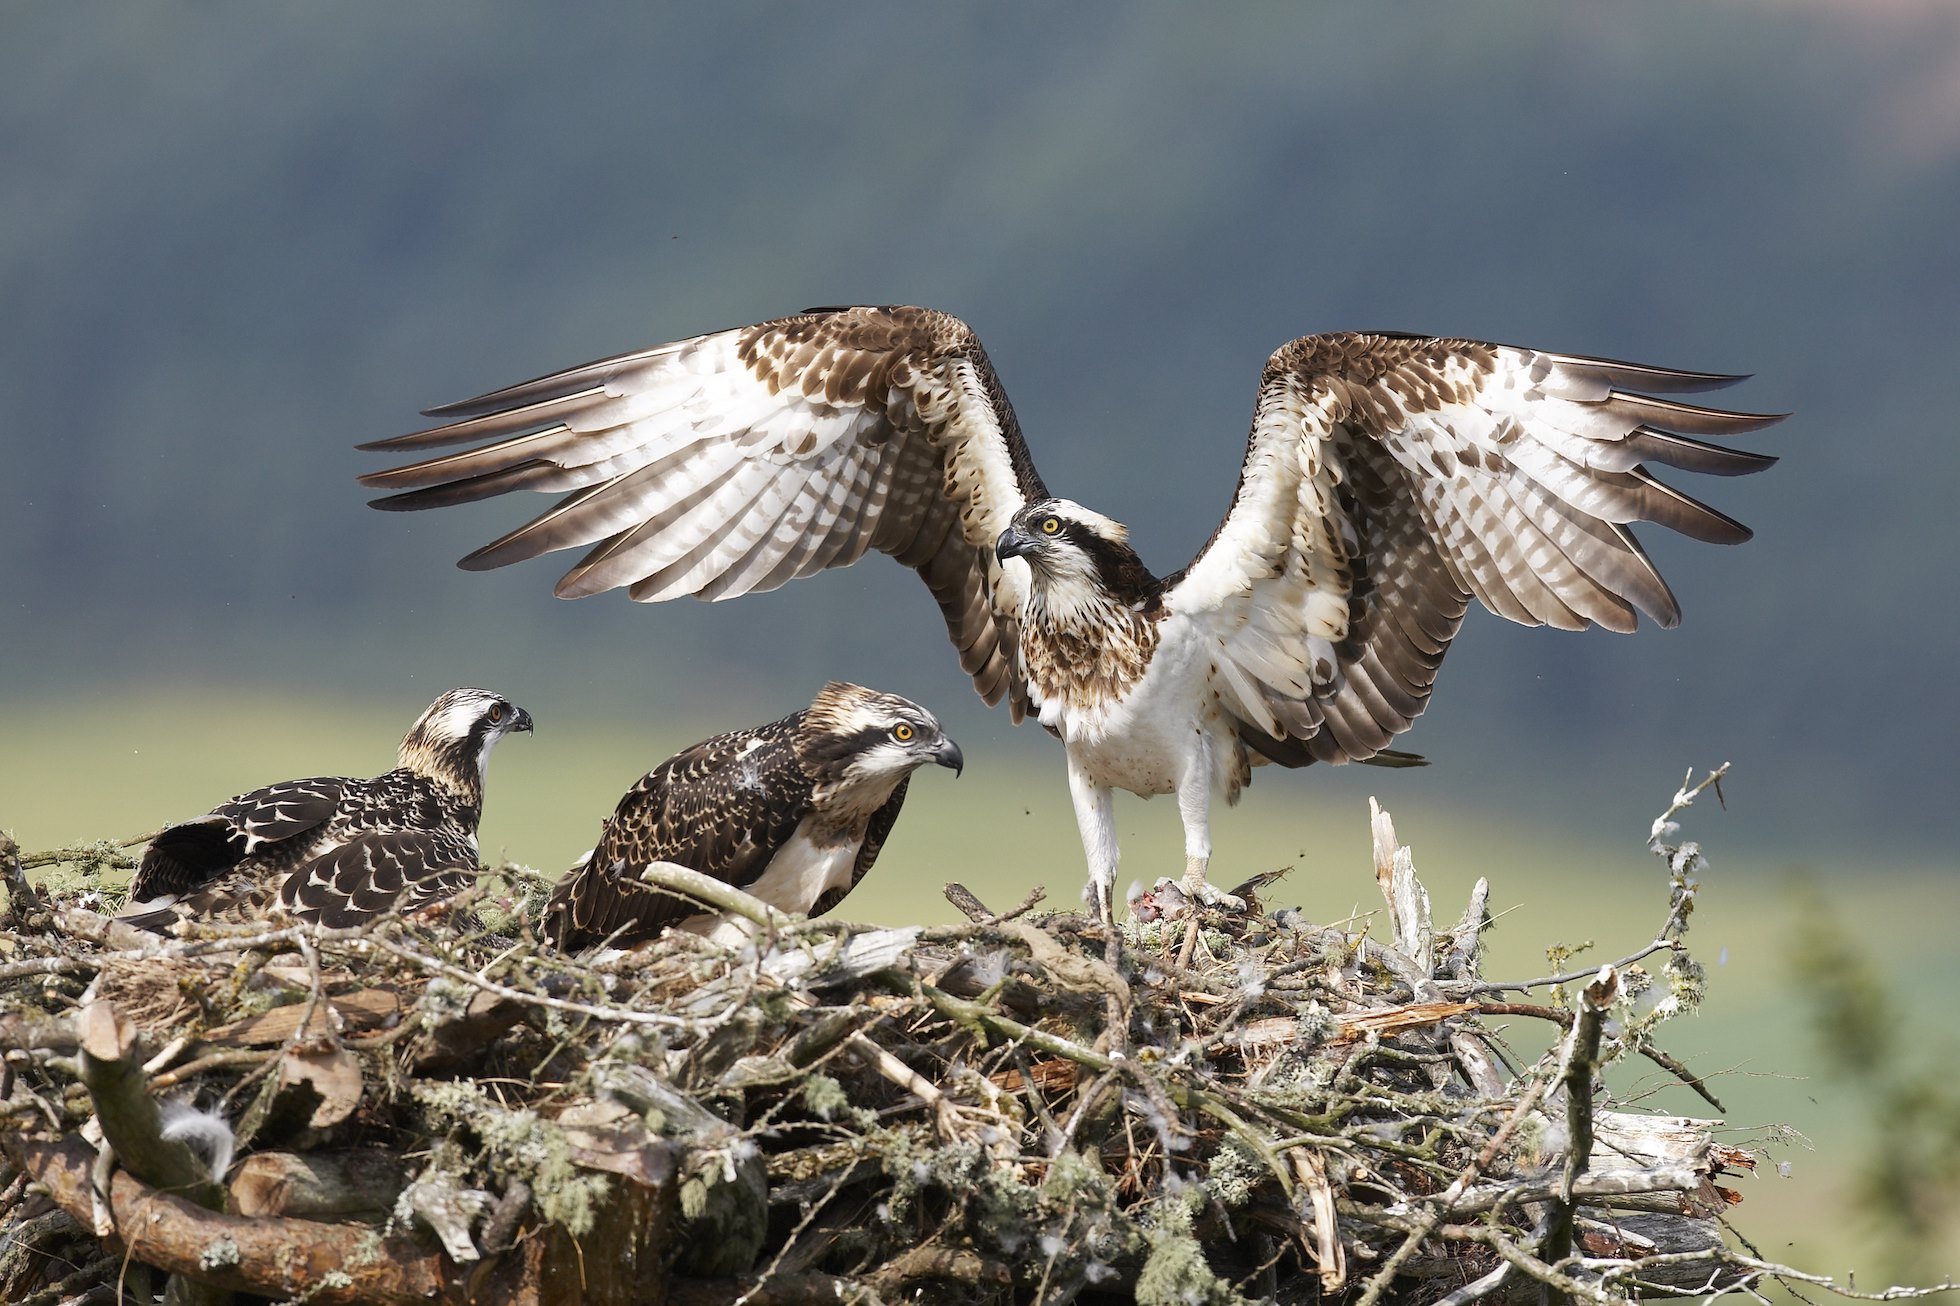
{"points": [[1095, 817], [1194, 808]]}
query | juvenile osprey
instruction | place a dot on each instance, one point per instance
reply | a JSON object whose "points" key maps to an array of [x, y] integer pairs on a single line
{"points": [[1387, 480], [334, 849], [794, 812]]}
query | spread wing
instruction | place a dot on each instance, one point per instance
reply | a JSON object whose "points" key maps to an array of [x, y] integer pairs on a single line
{"points": [[372, 873], [738, 461], [1389, 479], [192, 854], [722, 807]]}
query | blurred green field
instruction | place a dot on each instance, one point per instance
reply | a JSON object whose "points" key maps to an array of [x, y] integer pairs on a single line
{"points": [[119, 765]]}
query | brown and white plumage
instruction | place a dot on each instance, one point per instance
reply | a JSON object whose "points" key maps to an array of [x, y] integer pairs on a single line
{"points": [[1388, 480], [335, 849], [795, 812]]}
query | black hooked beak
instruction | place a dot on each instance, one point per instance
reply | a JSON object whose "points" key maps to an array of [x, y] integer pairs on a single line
{"points": [[520, 719], [948, 754], [1013, 543]]}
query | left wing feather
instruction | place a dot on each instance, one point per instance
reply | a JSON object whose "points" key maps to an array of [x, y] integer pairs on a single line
{"points": [[1388, 479]]}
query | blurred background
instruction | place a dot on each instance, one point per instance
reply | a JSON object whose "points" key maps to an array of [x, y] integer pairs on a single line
{"points": [[235, 240]]}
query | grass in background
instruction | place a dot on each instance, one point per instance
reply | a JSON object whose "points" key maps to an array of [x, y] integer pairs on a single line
{"points": [[118, 765]]}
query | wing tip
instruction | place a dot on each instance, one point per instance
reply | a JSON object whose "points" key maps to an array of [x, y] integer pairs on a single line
{"points": [[474, 406]]}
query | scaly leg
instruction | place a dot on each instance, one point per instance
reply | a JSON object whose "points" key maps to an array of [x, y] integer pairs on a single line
{"points": [[1095, 818], [1194, 808]]}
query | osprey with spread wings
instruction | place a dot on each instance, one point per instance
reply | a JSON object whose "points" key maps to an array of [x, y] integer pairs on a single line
{"points": [[1387, 481]]}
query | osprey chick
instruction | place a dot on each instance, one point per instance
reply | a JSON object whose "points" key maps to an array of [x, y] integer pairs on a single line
{"points": [[1388, 479], [334, 849], [794, 812]]}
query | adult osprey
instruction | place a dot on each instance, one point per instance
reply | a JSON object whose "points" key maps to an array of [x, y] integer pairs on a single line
{"points": [[334, 849], [795, 812], [1388, 478]]}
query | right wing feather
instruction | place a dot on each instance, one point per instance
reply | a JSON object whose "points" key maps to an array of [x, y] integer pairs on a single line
{"points": [[735, 462]]}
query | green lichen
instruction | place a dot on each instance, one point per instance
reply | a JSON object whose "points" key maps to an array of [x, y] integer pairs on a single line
{"points": [[1071, 1173], [1176, 1273], [1235, 1173], [516, 1144], [825, 1096]]}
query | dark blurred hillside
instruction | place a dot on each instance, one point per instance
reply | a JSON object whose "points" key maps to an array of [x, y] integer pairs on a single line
{"points": [[235, 240]]}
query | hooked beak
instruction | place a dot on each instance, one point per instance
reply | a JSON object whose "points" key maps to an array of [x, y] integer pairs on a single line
{"points": [[948, 755], [520, 721], [1013, 543]]}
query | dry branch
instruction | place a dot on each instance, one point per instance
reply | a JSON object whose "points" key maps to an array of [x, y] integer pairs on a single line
{"points": [[128, 1115], [332, 1263]]}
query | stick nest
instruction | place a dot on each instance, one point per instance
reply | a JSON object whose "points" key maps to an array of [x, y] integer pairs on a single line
{"points": [[1215, 1106]]}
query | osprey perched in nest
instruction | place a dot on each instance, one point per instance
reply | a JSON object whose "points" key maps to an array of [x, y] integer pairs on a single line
{"points": [[794, 812], [334, 849], [1387, 481]]}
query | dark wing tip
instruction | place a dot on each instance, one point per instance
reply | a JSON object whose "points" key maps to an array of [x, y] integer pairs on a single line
{"points": [[1646, 376], [478, 404], [406, 501], [490, 557]]}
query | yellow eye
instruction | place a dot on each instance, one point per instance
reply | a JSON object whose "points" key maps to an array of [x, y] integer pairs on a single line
{"points": [[902, 733], [1051, 525], [496, 713]]}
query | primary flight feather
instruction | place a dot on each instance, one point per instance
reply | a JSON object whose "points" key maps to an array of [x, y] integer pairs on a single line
{"points": [[1388, 479]]}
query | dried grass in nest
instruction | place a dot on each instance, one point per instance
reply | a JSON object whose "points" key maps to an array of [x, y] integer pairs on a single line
{"points": [[1222, 1107]]}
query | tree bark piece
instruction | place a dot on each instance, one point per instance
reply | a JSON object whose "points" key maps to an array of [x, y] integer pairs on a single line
{"points": [[357, 1185], [131, 1123], [361, 1010], [454, 1045]]}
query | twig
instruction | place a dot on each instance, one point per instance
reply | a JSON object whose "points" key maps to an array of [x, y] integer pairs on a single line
{"points": [[1661, 943], [1580, 1061], [620, 1015], [976, 911], [967, 901], [1667, 938], [1480, 1289], [22, 901], [1427, 1224], [1587, 1189], [104, 851], [1563, 1018]]}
